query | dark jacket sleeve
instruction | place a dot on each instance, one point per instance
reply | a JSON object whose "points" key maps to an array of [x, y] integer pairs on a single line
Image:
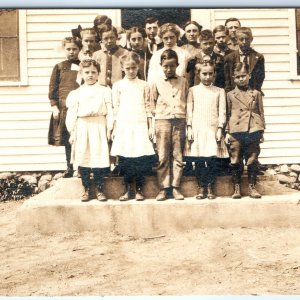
{"points": [[228, 72], [54, 85], [259, 73]]}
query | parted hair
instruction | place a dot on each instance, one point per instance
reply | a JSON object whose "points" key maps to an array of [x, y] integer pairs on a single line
{"points": [[194, 23], [220, 28], [71, 39], [168, 54], [89, 62], [130, 56], [132, 30], [90, 31], [108, 29], [200, 65], [206, 35], [240, 67], [168, 27], [232, 20], [244, 30], [151, 20]]}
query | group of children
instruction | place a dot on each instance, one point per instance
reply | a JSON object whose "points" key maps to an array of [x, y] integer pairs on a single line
{"points": [[164, 95]]}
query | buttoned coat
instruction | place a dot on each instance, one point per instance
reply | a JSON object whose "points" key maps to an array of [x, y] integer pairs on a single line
{"points": [[245, 112], [256, 69]]}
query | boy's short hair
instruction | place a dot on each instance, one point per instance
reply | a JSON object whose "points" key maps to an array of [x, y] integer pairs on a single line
{"points": [[151, 20], [206, 35], [129, 57], [241, 66], [220, 28], [108, 29], [89, 62], [200, 65], [168, 27], [102, 20], [135, 30], [90, 31], [168, 54], [194, 23], [71, 39], [244, 30], [232, 20]]}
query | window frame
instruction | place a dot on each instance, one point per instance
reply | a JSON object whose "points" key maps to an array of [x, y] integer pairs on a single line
{"points": [[22, 53], [293, 45]]}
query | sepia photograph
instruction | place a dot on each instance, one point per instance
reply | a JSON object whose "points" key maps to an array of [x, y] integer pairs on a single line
{"points": [[149, 151]]}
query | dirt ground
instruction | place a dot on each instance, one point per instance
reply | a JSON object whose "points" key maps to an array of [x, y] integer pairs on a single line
{"points": [[240, 261]]}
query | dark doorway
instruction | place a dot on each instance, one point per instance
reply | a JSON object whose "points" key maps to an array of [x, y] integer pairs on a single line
{"points": [[136, 17]]}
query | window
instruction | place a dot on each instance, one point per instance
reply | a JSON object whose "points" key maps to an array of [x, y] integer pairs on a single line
{"points": [[297, 14], [13, 66], [136, 17]]}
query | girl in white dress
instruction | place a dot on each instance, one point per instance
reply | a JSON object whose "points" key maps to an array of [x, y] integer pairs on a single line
{"points": [[132, 133], [206, 118], [90, 121]]}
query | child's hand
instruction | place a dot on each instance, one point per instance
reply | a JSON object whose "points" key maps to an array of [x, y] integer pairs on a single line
{"points": [[72, 138], [108, 134], [55, 112], [190, 135], [219, 135], [150, 134], [227, 138], [262, 139]]}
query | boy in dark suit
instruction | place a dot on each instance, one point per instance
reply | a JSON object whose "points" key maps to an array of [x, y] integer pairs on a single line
{"points": [[246, 54], [245, 129]]}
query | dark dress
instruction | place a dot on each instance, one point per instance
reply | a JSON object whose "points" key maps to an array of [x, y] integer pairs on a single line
{"points": [[62, 81]]}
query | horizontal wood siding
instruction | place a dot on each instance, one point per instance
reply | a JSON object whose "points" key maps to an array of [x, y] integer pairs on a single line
{"points": [[25, 111], [282, 96]]}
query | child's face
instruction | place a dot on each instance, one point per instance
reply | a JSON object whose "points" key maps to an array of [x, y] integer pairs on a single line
{"points": [[221, 39], [169, 67], [130, 69], [88, 41], [192, 33], [232, 27], [89, 75], [136, 41], [109, 39], [207, 46], [244, 41], [71, 51], [169, 39], [151, 30], [241, 78], [207, 75]]}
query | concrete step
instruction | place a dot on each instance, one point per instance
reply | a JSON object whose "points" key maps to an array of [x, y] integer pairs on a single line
{"points": [[71, 188], [59, 209], [151, 218]]}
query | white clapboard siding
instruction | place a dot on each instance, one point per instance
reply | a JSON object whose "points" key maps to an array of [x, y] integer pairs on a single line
{"points": [[25, 111]]}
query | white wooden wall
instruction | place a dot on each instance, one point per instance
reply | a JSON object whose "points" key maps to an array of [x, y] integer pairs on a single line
{"points": [[273, 38], [25, 111]]}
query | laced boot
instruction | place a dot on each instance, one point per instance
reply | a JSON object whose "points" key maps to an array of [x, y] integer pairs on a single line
{"points": [[253, 193], [210, 192], [237, 192], [129, 194], [201, 192], [100, 194], [69, 172], [85, 196], [139, 195]]}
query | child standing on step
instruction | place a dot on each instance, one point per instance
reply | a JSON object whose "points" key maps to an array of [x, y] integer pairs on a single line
{"points": [[90, 121], [169, 95], [133, 131], [245, 129], [206, 118], [62, 81]]}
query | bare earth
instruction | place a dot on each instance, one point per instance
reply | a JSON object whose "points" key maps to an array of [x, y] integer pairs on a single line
{"points": [[241, 261]]}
